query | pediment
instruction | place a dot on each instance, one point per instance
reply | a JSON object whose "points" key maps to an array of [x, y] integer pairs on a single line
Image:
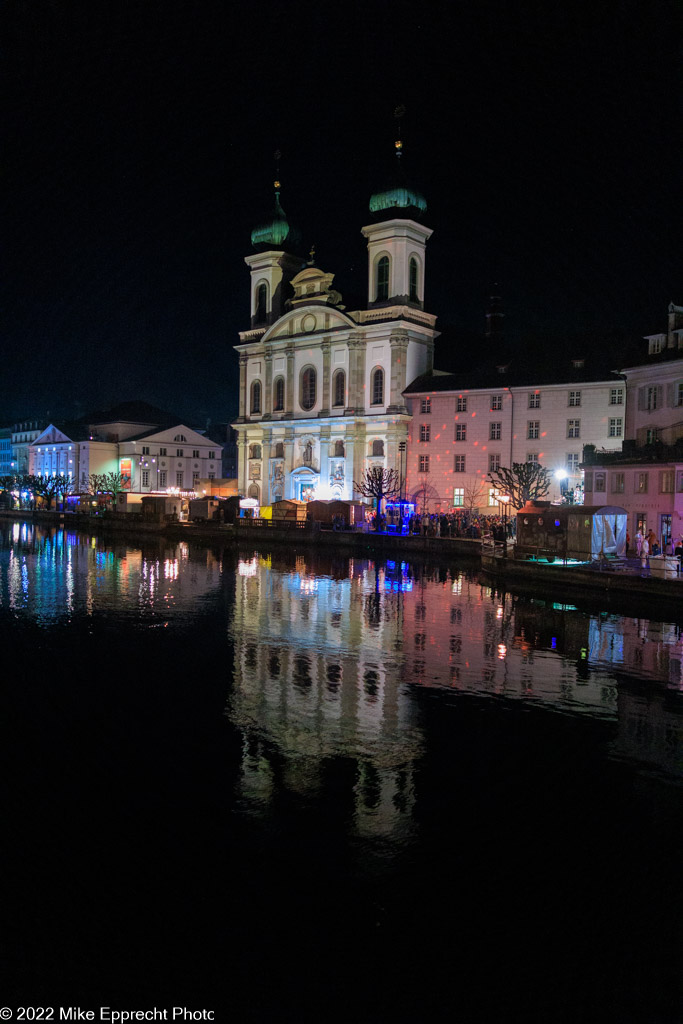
{"points": [[53, 435], [306, 320], [178, 435]]}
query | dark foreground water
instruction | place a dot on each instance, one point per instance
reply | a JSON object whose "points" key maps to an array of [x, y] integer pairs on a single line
{"points": [[284, 787]]}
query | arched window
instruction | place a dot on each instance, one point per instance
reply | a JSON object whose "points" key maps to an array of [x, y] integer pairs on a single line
{"points": [[308, 385], [180, 437], [377, 386], [253, 491], [279, 450], [261, 310], [256, 396], [338, 388], [339, 449], [254, 451], [279, 394], [413, 280], [382, 279], [378, 449]]}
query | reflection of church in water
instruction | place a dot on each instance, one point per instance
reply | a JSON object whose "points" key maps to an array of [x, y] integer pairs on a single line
{"points": [[315, 678], [320, 397]]}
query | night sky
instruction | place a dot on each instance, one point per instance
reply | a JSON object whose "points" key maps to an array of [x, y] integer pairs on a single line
{"points": [[139, 141]]}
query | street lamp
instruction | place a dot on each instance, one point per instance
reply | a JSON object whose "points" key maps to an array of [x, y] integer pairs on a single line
{"points": [[561, 477]]}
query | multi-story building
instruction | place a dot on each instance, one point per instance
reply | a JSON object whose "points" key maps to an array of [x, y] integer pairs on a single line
{"points": [[22, 435], [149, 456], [6, 459], [646, 475], [321, 387], [465, 426]]}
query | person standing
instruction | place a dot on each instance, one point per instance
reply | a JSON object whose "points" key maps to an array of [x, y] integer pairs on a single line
{"points": [[639, 541], [678, 552], [644, 556]]}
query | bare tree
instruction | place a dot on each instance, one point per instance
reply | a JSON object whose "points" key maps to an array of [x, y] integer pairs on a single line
{"points": [[423, 495], [46, 487], [379, 483], [66, 485], [524, 481], [107, 484], [474, 495], [8, 485]]}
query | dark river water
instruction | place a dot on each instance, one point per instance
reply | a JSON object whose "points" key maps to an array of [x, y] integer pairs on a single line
{"points": [[284, 786]]}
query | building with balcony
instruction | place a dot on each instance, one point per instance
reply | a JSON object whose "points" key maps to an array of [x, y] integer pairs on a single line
{"points": [[646, 475]]}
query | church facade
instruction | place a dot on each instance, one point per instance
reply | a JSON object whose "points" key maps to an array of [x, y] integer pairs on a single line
{"points": [[321, 387]]}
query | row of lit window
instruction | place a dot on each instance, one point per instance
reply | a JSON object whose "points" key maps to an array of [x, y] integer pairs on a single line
{"points": [[598, 482], [572, 460], [616, 397], [163, 478], [308, 390], [196, 453], [615, 428]]}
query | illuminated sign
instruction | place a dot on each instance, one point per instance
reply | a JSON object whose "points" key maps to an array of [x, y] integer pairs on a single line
{"points": [[126, 470]]}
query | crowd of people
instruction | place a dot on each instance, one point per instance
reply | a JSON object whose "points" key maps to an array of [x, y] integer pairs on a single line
{"points": [[647, 544], [447, 524]]}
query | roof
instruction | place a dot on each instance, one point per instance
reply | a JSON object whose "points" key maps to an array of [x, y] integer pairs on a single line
{"points": [[492, 379], [133, 412]]}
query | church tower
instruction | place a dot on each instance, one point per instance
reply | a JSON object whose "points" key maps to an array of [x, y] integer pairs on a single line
{"points": [[321, 386], [272, 265], [396, 241]]}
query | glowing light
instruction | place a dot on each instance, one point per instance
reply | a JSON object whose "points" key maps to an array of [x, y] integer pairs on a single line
{"points": [[249, 568]]}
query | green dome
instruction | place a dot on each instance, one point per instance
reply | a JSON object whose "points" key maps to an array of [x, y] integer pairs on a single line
{"points": [[275, 230], [399, 197]]}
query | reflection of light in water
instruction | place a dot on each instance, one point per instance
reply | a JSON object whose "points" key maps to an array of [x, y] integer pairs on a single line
{"points": [[171, 569], [499, 612], [16, 531], [70, 585], [502, 651], [249, 568]]}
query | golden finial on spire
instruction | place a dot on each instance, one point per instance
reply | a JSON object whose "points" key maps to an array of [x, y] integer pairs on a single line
{"points": [[277, 155], [399, 114]]}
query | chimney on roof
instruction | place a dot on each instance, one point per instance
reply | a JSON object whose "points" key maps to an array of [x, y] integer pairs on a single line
{"points": [[675, 324], [494, 317]]}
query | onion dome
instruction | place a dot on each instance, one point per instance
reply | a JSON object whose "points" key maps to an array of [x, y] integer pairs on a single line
{"points": [[275, 231], [399, 198]]}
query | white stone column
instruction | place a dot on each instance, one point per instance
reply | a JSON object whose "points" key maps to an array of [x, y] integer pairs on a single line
{"points": [[325, 458], [356, 396], [289, 384], [244, 359], [268, 399], [289, 462], [241, 463], [325, 396], [398, 343]]}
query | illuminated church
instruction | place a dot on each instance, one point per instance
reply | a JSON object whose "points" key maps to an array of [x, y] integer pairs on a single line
{"points": [[320, 397]]}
